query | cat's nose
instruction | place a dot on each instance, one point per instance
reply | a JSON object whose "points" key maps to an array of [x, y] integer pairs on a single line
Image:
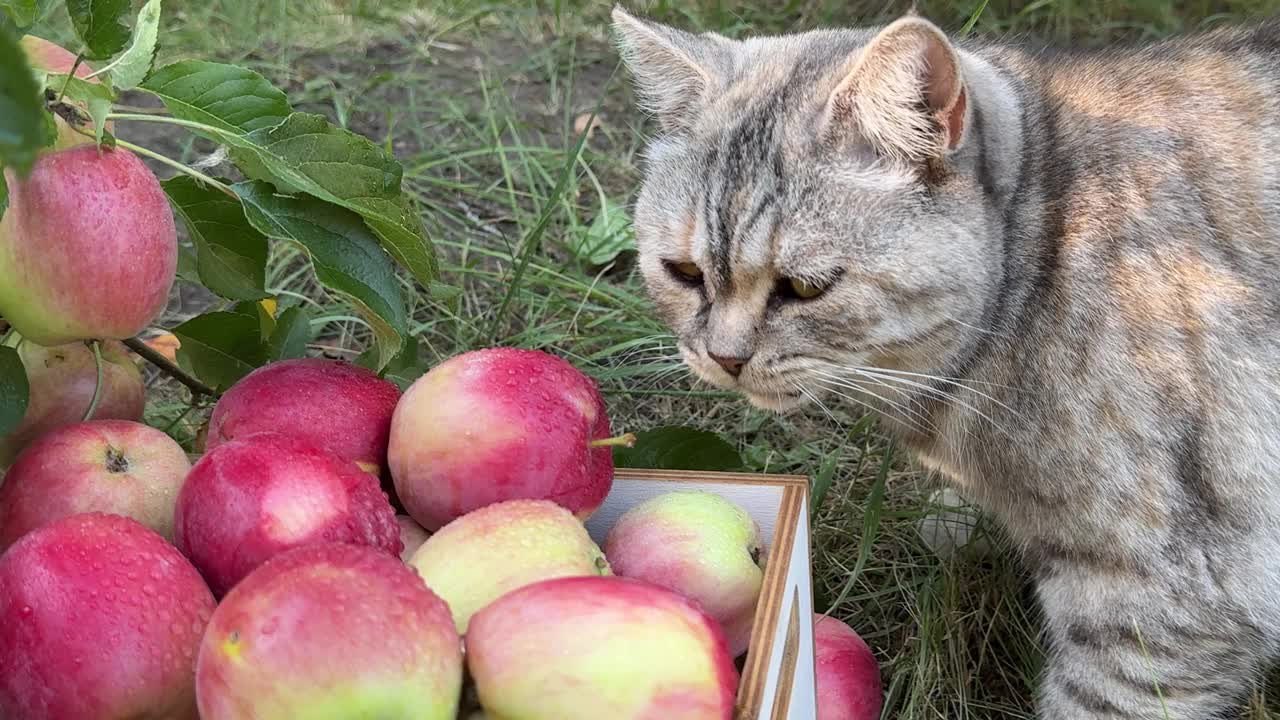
{"points": [[731, 365]]}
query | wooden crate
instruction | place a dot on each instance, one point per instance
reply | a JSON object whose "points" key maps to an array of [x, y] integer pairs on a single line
{"points": [[778, 679]]}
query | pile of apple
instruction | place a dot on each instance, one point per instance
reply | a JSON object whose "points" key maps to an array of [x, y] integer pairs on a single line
{"points": [[340, 549]]}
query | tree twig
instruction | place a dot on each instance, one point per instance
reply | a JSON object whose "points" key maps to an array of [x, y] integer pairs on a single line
{"points": [[168, 368]]}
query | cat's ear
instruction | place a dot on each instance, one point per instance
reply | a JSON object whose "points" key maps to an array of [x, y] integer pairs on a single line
{"points": [[674, 71], [905, 93]]}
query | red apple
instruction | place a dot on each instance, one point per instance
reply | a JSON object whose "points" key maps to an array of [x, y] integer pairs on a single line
{"points": [[55, 59], [62, 381], [699, 544], [411, 536], [332, 404], [111, 466], [254, 497], [848, 675], [330, 631], [499, 424], [99, 618], [88, 247], [489, 552], [599, 647]]}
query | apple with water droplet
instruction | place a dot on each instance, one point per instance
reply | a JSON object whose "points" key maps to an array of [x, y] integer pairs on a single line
{"points": [[586, 648], [848, 675], [62, 380], [500, 424], [99, 618], [112, 466], [258, 495], [700, 545], [489, 552], [332, 404], [88, 247], [330, 631]]}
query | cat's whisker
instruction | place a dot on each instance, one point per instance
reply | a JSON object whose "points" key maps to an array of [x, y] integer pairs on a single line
{"points": [[817, 401], [945, 398], [834, 390], [899, 373], [914, 413], [900, 407]]}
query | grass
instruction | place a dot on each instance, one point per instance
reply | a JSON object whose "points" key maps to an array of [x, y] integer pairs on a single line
{"points": [[479, 101]]}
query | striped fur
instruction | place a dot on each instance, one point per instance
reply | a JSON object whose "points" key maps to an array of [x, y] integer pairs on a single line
{"points": [[1055, 273]]}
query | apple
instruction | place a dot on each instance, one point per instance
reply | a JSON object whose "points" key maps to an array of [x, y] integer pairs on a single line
{"points": [[111, 466], [343, 408], [500, 424], [411, 536], [489, 552], [700, 545], [99, 618], [88, 247], [254, 497], [848, 675], [330, 631], [62, 381], [54, 59], [599, 647]]}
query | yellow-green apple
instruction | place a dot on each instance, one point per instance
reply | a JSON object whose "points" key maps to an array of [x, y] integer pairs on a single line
{"points": [[71, 118], [99, 618], [88, 247], [62, 381], [848, 675], [411, 536], [500, 424], [700, 545], [330, 631], [489, 552], [580, 648], [111, 466], [341, 407], [254, 497]]}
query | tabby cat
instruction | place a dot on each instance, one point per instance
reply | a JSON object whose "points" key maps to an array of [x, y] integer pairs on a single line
{"points": [[1055, 274]]}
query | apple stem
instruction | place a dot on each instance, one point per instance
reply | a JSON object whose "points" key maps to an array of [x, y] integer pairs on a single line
{"points": [[70, 74], [97, 388], [168, 368], [187, 170], [627, 440]]}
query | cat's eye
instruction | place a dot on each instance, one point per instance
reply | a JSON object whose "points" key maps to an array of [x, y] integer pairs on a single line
{"points": [[800, 288], [686, 272]]}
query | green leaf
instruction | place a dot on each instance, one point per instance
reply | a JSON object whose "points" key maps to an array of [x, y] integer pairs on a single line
{"points": [[231, 255], [131, 68], [258, 312], [187, 265], [293, 332], [344, 253], [608, 236], [4, 194], [13, 389], [22, 12], [307, 153], [678, 448], [405, 368], [99, 25], [24, 122], [98, 97], [228, 97], [221, 347]]}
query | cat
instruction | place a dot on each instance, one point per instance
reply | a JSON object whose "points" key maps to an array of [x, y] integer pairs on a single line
{"points": [[1054, 273]]}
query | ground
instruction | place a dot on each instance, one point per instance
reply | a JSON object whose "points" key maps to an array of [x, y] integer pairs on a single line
{"points": [[481, 101]]}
